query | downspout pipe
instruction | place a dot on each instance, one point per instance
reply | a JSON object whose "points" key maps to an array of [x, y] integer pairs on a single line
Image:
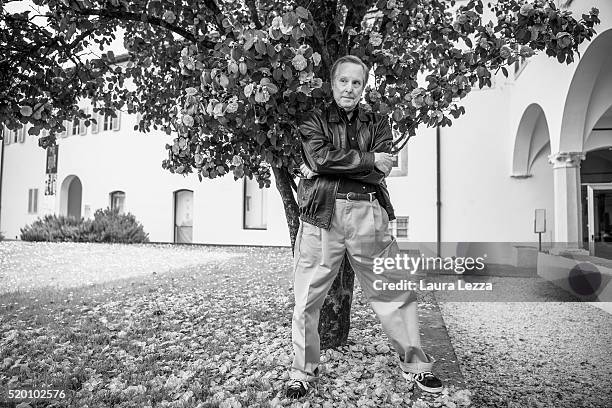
{"points": [[2, 147], [438, 196]]}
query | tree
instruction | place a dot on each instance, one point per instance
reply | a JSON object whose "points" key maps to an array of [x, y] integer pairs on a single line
{"points": [[230, 80]]}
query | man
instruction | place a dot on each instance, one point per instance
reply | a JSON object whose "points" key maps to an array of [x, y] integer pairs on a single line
{"points": [[345, 208]]}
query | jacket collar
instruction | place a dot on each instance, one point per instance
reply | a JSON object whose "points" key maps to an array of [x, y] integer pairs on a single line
{"points": [[335, 114]]}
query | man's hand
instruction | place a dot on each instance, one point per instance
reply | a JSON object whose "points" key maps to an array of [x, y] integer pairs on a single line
{"points": [[383, 162], [306, 172]]}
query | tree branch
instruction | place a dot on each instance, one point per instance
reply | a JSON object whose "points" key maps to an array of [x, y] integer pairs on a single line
{"points": [[254, 15], [217, 13], [130, 16]]}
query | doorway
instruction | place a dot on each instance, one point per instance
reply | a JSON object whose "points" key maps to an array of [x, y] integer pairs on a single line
{"points": [[183, 217], [599, 202], [75, 198]]}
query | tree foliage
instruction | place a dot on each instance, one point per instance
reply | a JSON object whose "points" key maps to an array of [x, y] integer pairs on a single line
{"points": [[230, 79]]}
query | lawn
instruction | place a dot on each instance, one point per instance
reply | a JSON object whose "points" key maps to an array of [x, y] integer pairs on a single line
{"points": [[173, 326]]}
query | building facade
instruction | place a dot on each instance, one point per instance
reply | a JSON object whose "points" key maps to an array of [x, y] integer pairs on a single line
{"points": [[539, 142]]}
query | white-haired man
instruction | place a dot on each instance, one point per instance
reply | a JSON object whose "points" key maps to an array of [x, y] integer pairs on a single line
{"points": [[345, 209]]}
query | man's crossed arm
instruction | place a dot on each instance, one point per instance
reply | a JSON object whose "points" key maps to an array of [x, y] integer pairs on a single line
{"points": [[324, 158]]}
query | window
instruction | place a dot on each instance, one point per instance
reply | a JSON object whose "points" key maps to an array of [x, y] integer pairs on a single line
{"points": [[21, 134], [64, 133], [75, 127], [78, 127], [117, 201], [255, 206], [95, 123], [112, 123], [519, 65], [400, 163], [8, 135], [116, 121], [32, 201], [138, 119], [107, 122], [399, 228]]}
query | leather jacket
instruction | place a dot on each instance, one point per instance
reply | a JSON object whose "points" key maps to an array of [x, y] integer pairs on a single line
{"points": [[324, 150]]}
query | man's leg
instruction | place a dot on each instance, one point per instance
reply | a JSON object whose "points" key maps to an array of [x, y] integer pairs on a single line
{"points": [[317, 258], [396, 309]]}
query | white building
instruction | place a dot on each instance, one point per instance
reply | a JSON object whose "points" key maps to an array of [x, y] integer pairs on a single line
{"points": [[538, 140]]}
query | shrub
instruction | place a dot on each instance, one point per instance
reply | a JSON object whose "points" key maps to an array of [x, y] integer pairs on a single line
{"points": [[107, 226], [1, 236], [54, 228], [110, 226]]}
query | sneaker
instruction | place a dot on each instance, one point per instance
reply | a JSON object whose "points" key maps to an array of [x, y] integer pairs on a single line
{"points": [[298, 388], [426, 381]]}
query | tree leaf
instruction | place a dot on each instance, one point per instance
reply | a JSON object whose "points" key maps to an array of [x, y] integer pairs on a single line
{"points": [[301, 12]]}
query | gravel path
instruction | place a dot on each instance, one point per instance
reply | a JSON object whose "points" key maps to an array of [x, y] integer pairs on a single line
{"points": [[533, 354], [25, 265]]}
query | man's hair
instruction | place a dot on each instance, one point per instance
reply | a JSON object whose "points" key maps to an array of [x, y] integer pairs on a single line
{"points": [[353, 60]]}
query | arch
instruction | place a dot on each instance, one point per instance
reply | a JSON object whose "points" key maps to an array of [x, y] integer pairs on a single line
{"points": [[586, 99], [532, 139], [600, 134], [71, 196]]}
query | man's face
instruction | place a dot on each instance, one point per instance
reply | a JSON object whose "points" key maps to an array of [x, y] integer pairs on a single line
{"points": [[348, 85]]}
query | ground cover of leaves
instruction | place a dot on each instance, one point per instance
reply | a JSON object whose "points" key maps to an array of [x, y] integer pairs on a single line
{"points": [[166, 326]]}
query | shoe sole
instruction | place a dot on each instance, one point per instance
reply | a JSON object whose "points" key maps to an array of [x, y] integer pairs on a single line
{"points": [[421, 386]]}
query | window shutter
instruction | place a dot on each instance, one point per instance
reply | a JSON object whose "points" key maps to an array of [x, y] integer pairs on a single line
{"points": [[35, 201], [30, 200]]}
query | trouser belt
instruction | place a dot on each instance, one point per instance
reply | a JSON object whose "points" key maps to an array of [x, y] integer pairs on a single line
{"points": [[356, 196]]}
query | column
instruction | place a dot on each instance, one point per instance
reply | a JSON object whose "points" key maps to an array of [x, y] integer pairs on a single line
{"points": [[568, 211]]}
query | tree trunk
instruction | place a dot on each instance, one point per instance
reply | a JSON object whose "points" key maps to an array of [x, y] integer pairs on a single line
{"points": [[335, 320], [292, 212]]}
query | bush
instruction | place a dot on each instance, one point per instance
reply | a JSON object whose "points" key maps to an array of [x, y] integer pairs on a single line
{"points": [[54, 228], [107, 226], [110, 226], [1, 236]]}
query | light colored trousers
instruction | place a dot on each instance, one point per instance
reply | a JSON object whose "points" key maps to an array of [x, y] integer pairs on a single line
{"points": [[360, 229]]}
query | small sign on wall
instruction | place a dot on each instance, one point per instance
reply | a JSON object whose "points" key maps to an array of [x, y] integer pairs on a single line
{"points": [[52, 159], [539, 225], [540, 221]]}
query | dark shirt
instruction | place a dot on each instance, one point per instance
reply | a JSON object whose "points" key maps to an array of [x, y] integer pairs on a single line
{"points": [[348, 185]]}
